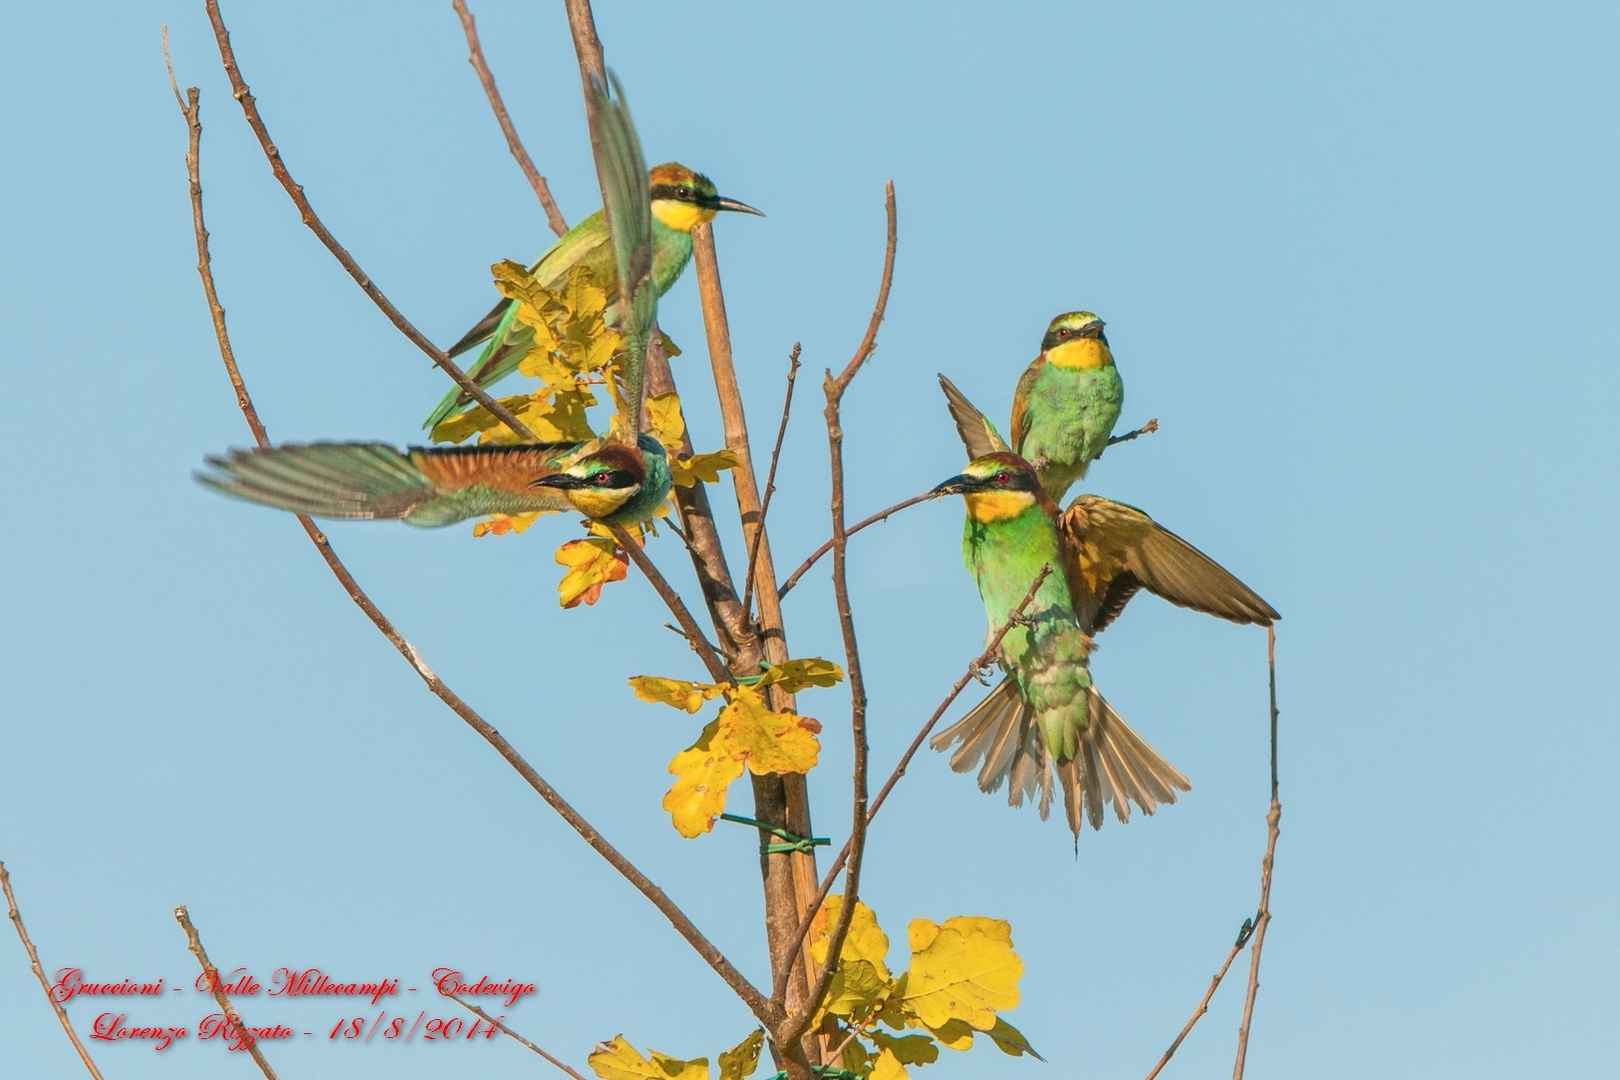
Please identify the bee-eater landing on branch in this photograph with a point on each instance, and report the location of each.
(681, 200)
(1067, 401)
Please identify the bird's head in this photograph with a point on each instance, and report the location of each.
(996, 487)
(1075, 339)
(601, 482)
(682, 199)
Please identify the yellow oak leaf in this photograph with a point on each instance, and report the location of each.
(1011, 1040)
(618, 1060)
(703, 773)
(865, 940)
(741, 1060)
(501, 524)
(887, 1067)
(456, 428)
(664, 420)
(962, 970)
(771, 742)
(908, 1049)
(684, 472)
(592, 563)
(582, 296)
(855, 988)
(561, 420)
(678, 693)
(795, 675)
(953, 1034)
(676, 1069)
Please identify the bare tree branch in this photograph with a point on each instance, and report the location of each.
(834, 389)
(542, 191)
(1263, 919)
(1146, 429)
(761, 1007)
(1203, 1006)
(28, 944)
(194, 943)
(881, 515)
(770, 483)
(306, 212)
(476, 1011)
(672, 599)
(974, 670)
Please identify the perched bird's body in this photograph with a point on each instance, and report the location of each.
(681, 200)
(1067, 402)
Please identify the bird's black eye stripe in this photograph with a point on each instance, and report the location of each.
(612, 478)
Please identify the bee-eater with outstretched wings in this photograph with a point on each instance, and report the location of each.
(680, 201)
(1067, 402)
(620, 480)
(1047, 718)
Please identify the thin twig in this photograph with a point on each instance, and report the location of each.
(1203, 1006)
(1273, 819)
(28, 945)
(834, 389)
(542, 191)
(689, 628)
(881, 515)
(974, 669)
(770, 481)
(1146, 429)
(476, 1011)
(194, 943)
(757, 1003)
(306, 213)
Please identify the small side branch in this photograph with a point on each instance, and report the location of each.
(194, 943)
(881, 515)
(476, 1011)
(1146, 429)
(33, 957)
(672, 599)
(1203, 1006)
(1273, 819)
(974, 670)
(306, 213)
(542, 190)
(770, 480)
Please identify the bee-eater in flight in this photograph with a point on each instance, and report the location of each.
(620, 480)
(1067, 402)
(1047, 718)
(680, 201)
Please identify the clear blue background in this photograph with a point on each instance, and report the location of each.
(1362, 265)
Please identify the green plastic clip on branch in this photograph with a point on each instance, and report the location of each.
(790, 841)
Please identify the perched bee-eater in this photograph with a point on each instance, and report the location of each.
(680, 200)
(1067, 402)
(1047, 718)
(620, 480)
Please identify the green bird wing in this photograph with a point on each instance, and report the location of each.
(1111, 551)
(627, 203)
(978, 434)
(420, 486)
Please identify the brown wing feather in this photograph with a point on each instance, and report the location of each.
(503, 468)
(1018, 428)
(976, 433)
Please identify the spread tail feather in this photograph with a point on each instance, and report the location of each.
(1114, 764)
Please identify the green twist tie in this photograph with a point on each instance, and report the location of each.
(826, 1072)
(792, 841)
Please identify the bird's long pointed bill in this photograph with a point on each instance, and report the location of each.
(740, 207)
(561, 481)
(955, 485)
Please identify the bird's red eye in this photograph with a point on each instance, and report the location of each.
(602, 479)
(1063, 333)
(1003, 477)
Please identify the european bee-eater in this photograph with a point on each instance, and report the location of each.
(1102, 553)
(680, 201)
(429, 487)
(1067, 402)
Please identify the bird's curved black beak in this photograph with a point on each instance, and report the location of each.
(740, 207)
(1093, 330)
(561, 481)
(956, 485)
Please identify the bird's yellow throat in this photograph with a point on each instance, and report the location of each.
(680, 216)
(596, 504)
(1081, 353)
(987, 506)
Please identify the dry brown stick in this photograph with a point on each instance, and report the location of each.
(1146, 429)
(306, 213)
(477, 1011)
(28, 944)
(1203, 1006)
(542, 191)
(1273, 819)
(881, 515)
(672, 599)
(974, 669)
(587, 46)
(194, 943)
(834, 389)
(723, 967)
(770, 482)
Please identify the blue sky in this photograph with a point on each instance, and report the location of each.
(1361, 264)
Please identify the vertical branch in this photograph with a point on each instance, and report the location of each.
(194, 943)
(834, 388)
(33, 957)
(587, 46)
(1263, 919)
(542, 190)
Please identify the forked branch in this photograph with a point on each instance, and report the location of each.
(476, 1011)
(1263, 919)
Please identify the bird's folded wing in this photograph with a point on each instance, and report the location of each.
(1113, 550)
(978, 434)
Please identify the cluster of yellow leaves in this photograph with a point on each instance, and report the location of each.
(963, 972)
(666, 424)
(618, 1060)
(747, 734)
